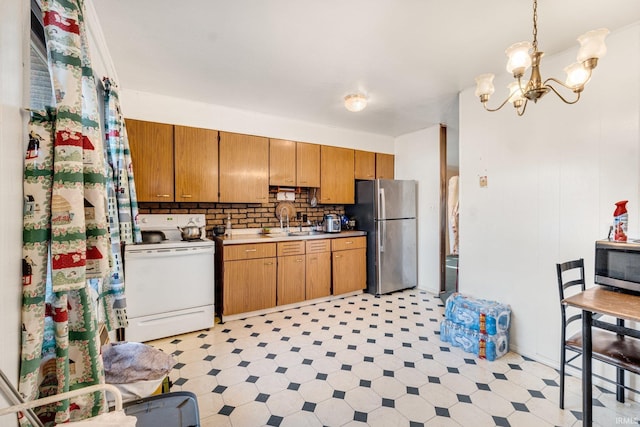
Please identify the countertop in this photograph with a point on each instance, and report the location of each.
(242, 236)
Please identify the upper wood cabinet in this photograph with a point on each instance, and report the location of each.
(151, 146)
(173, 163)
(282, 162)
(307, 165)
(196, 164)
(294, 163)
(365, 164)
(370, 165)
(384, 166)
(337, 183)
(244, 168)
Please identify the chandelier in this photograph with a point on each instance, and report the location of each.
(524, 55)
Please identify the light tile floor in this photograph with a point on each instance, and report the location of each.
(366, 360)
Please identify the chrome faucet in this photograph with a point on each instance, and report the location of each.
(284, 211)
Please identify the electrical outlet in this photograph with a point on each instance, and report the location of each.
(483, 181)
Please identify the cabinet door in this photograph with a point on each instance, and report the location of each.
(307, 165)
(384, 166)
(291, 285)
(318, 275)
(282, 162)
(349, 271)
(365, 164)
(249, 285)
(337, 184)
(196, 164)
(151, 146)
(244, 168)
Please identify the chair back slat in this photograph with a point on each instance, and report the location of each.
(573, 318)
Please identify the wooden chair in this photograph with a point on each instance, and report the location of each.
(620, 351)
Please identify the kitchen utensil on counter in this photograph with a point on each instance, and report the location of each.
(332, 223)
(218, 230)
(191, 231)
(313, 201)
(287, 209)
(153, 236)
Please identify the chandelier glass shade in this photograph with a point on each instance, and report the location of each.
(355, 102)
(524, 55)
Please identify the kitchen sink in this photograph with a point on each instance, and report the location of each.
(295, 233)
(299, 233)
(278, 234)
(305, 233)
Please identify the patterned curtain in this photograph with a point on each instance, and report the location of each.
(66, 240)
(122, 205)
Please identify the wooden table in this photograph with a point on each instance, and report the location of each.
(600, 300)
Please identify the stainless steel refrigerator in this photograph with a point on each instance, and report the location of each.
(386, 210)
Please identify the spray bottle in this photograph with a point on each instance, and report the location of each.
(620, 220)
(227, 231)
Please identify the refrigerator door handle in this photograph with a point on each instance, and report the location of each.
(383, 216)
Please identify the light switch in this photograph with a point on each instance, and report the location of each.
(483, 181)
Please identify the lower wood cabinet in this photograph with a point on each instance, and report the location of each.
(249, 278)
(291, 272)
(252, 277)
(349, 264)
(318, 269)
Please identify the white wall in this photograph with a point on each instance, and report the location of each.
(164, 109)
(553, 178)
(13, 53)
(417, 156)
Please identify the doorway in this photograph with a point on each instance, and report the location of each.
(449, 232)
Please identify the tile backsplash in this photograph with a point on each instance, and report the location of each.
(243, 215)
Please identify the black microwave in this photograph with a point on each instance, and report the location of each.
(617, 264)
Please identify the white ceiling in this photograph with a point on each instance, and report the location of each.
(299, 58)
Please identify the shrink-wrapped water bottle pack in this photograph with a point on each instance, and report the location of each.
(478, 326)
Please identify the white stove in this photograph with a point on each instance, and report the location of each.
(169, 285)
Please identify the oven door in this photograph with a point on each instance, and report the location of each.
(162, 280)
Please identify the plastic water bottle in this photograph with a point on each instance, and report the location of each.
(444, 331)
(491, 349)
(491, 322)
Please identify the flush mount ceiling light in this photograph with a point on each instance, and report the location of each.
(355, 102)
(524, 55)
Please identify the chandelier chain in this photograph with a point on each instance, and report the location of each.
(535, 25)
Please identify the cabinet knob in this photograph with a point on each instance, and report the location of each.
(298, 260)
(162, 195)
(250, 250)
(187, 196)
(338, 256)
(268, 263)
